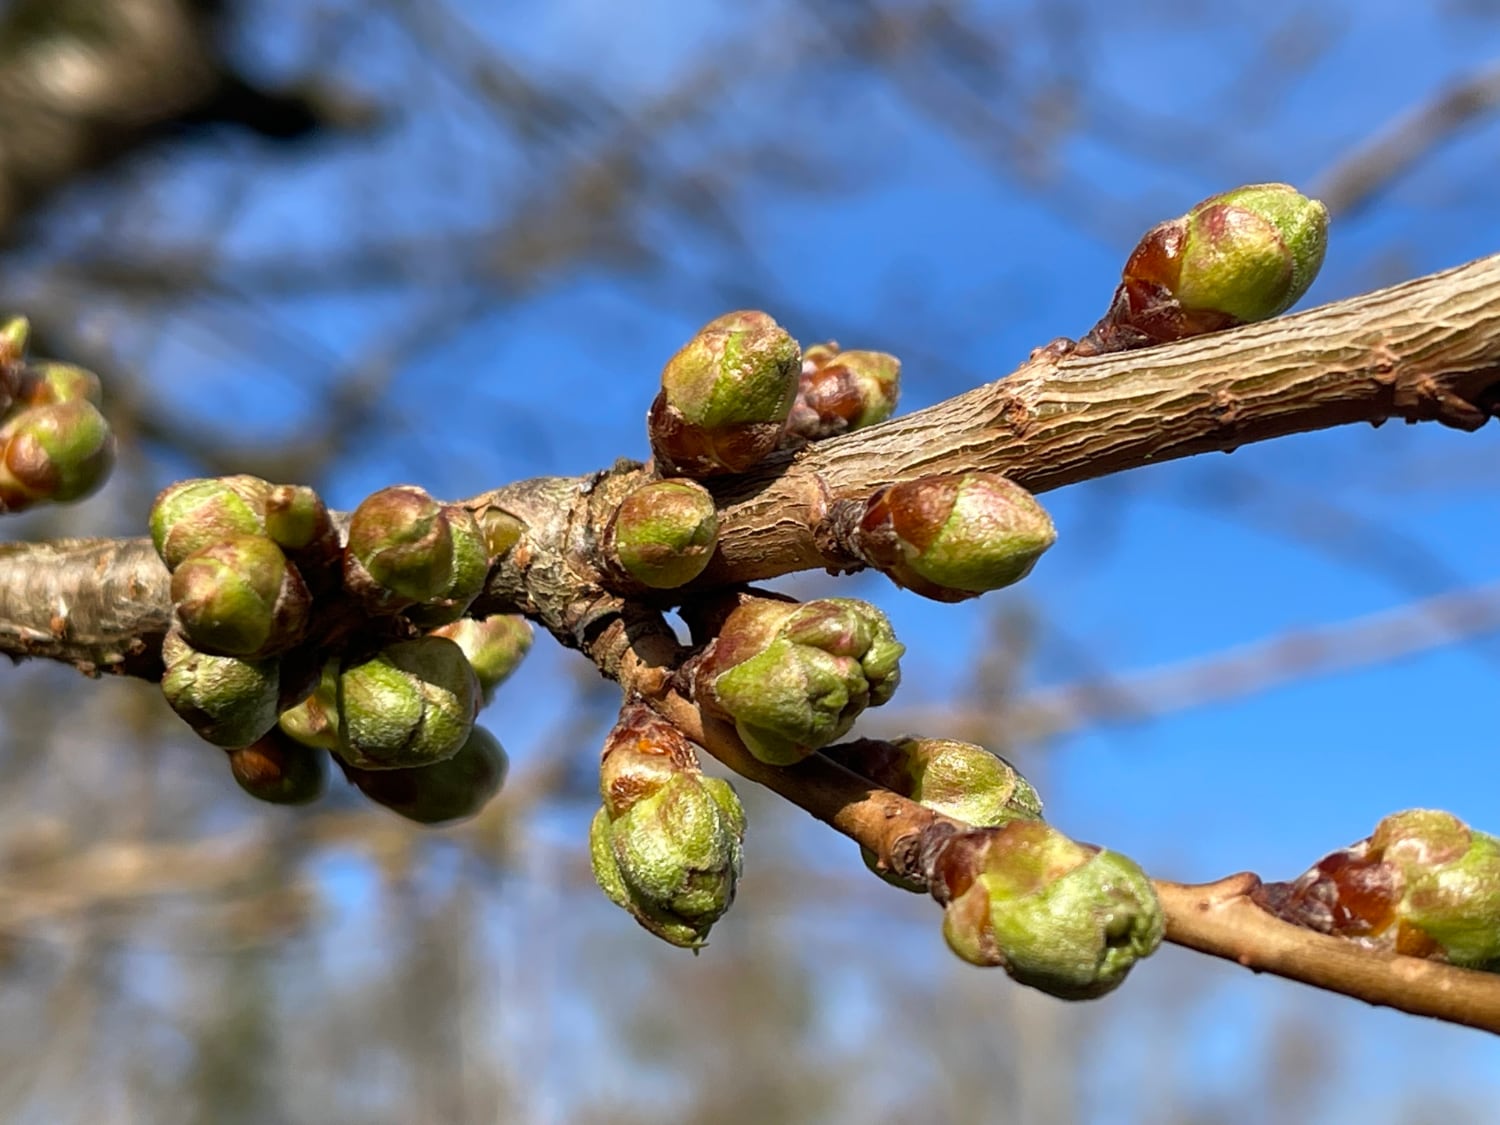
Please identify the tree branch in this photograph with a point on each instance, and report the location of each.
(1215, 918)
(1424, 350)
(1219, 919)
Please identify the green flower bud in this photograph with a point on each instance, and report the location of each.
(314, 722)
(445, 792)
(278, 770)
(664, 533)
(795, 677)
(61, 382)
(15, 337)
(56, 452)
(725, 397)
(296, 516)
(1423, 884)
(957, 779)
(666, 845)
(412, 704)
(1235, 258)
(502, 531)
(471, 565)
(240, 597)
(228, 701)
(953, 537)
(494, 645)
(191, 514)
(1251, 252)
(1063, 917)
(405, 547)
(842, 391)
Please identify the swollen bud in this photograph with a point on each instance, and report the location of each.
(794, 677)
(1235, 258)
(192, 514)
(956, 779)
(444, 792)
(412, 704)
(725, 397)
(55, 452)
(1067, 918)
(50, 382)
(314, 722)
(1423, 884)
(664, 533)
(15, 337)
(240, 597)
(404, 547)
(299, 523)
(666, 845)
(280, 771)
(494, 645)
(953, 537)
(842, 391)
(228, 701)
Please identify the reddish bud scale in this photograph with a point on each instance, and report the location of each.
(953, 537)
(1346, 893)
(1423, 884)
(842, 391)
(642, 752)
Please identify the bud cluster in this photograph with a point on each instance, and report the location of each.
(951, 537)
(1235, 258)
(235, 591)
(666, 843)
(1422, 884)
(55, 445)
(793, 677)
(1067, 918)
(251, 670)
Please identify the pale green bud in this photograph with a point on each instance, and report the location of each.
(666, 845)
(228, 701)
(664, 533)
(495, 647)
(412, 704)
(191, 514)
(54, 452)
(240, 597)
(725, 397)
(795, 677)
(954, 537)
(1063, 917)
